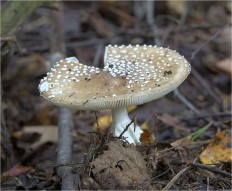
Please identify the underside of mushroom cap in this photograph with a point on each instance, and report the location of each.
(132, 75)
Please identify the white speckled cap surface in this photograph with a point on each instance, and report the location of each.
(132, 75)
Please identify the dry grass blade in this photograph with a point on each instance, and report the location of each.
(175, 178)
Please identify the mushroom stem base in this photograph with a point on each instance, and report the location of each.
(120, 122)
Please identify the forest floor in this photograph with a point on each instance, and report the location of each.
(186, 144)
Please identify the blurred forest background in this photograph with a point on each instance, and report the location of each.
(34, 35)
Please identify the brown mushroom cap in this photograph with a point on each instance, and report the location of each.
(132, 75)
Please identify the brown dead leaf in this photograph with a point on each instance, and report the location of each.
(45, 114)
(183, 141)
(29, 66)
(88, 183)
(14, 171)
(146, 136)
(172, 121)
(47, 133)
(168, 119)
(176, 6)
(225, 66)
(119, 167)
(219, 149)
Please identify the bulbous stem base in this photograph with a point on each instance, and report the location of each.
(120, 122)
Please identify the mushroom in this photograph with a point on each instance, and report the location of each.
(132, 75)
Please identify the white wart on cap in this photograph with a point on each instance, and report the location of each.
(132, 75)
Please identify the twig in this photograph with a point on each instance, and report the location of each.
(214, 115)
(184, 15)
(193, 71)
(96, 119)
(168, 17)
(97, 56)
(84, 43)
(117, 165)
(120, 136)
(212, 169)
(205, 84)
(135, 121)
(207, 183)
(175, 178)
(150, 6)
(8, 38)
(163, 173)
(186, 102)
(7, 152)
(123, 15)
(190, 105)
(138, 11)
(207, 42)
(166, 35)
(204, 166)
(94, 41)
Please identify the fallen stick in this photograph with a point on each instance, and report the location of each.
(186, 102)
(70, 178)
(204, 166)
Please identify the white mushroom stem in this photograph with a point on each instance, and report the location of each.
(121, 121)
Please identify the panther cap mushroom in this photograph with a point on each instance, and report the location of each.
(132, 75)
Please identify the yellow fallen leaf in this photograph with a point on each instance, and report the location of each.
(131, 108)
(219, 149)
(146, 136)
(144, 126)
(104, 122)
